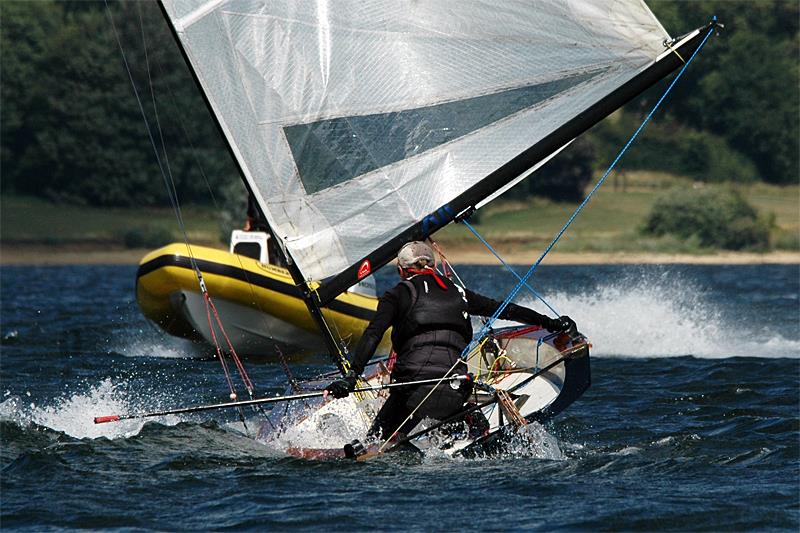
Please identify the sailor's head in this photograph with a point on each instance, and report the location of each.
(414, 255)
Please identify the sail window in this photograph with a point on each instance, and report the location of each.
(334, 151)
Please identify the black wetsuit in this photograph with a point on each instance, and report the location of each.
(430, 329)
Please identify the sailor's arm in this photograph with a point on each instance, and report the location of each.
(374, 332)
(366, 347)
(478, 304)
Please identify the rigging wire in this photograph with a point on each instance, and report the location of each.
(237, 361)
(173, 197)
(207, 297)
(192, 148)
(194, 152)
(242, 268)
(169, 183)
(239, 365)
(166, 175)
(288, 371)
(172, 200)
(172, 190)
(494, 252)
(231, 386)
(446, 264)
(577, 211)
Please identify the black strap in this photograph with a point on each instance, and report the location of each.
(414, 294)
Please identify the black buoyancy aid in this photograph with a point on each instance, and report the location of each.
(433, 310)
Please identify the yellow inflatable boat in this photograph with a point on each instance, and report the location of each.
(258, 303)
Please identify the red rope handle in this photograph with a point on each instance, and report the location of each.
(519, 332)
(445, 262)
(234, 355)
(231, 386)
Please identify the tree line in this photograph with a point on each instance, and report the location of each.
(72, 127)
(733, 117)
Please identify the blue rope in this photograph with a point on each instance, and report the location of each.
(494, 252)
(533, 267)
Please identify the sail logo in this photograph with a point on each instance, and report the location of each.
(364, 270)
(437, 219)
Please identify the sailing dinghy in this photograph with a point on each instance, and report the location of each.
(536, 373)
(361, 125)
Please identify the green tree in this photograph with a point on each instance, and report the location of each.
(24, 41)
(745, 88)
(89, 148)
(72, 126)
(668, 146)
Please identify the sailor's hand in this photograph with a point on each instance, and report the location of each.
(562, 324)
(342, 387)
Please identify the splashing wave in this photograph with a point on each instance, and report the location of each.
(667, 316)
(74, 415)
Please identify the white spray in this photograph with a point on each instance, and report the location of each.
(665, 316)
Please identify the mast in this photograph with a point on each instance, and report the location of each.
(669, 61)
(336, 349)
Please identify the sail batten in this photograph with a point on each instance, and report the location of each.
(360, 123)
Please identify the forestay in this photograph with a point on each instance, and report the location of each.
(353, 121)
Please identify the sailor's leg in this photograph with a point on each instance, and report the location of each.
(394, 413)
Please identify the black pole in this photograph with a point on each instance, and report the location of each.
(260, 401)
(336, 350)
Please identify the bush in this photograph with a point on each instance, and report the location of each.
(148, 237)
(717, 218)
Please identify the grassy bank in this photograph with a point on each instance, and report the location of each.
(33, 221)
(609, 224)
(612, 219)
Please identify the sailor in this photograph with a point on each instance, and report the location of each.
(254, 220)
(430, 320)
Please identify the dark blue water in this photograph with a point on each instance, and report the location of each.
(692, 422)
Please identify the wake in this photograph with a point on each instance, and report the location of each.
(666, 316)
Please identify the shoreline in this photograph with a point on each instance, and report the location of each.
(61, 255)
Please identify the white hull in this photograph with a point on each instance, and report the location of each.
(542, 380)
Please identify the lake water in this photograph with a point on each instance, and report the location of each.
(692, 421)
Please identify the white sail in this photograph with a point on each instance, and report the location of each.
(353, 120)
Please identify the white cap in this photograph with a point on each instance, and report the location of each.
(415, 254)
